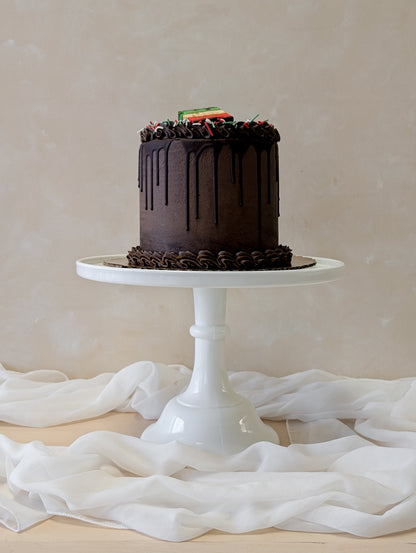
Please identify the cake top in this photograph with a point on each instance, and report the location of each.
(209, 124)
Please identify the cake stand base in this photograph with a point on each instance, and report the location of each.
(223, 430)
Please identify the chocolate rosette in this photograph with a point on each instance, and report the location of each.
(188, 261)
(244, 261)
(201, 131)
(146, 135)
(138, 258)
(259, 259)
(224, 131)
(207, 260)
(226, 261)
(160, 132)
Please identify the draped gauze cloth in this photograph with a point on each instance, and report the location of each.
(358, 478)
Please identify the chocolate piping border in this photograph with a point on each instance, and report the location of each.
(206, 260)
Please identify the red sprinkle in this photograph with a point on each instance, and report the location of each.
(209, 128)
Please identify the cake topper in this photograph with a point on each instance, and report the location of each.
(212, 113)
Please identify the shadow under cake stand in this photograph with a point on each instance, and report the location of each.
(209, 414)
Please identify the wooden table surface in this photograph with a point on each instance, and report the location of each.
(63, 535)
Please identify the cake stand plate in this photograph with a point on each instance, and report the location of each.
(209, 414)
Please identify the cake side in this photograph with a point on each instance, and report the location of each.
(200, 194)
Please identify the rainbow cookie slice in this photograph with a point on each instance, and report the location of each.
(213, 113)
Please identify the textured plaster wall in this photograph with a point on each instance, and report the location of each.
(80, 77)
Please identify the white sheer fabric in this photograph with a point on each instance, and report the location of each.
(358, 477)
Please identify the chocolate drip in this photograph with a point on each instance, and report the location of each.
(238, 149)
(187, 186)
(150, 176)
(196, 178)
(154, 154)
(259, 218)
(268, 177)
(215, 182)
(157, 166)
(196, 149)
(145, 182)
(196, 174)
(140, 170)
(276, 159)
(166, 152)
(240, 179)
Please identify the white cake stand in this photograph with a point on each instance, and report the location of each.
(209, 414)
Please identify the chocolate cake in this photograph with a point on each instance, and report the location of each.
(209, 194)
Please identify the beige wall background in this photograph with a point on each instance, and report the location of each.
(80, 77)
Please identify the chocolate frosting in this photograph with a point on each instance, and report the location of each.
(206, 260)
(206, 129)
(189, 185)
(209, 197)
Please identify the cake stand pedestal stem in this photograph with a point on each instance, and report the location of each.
(209, 384)
(209, 414)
